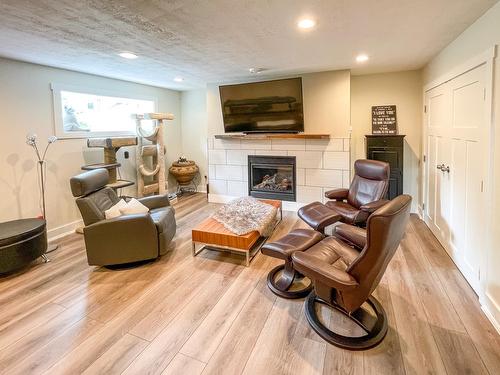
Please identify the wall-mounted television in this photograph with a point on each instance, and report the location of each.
(265, 107)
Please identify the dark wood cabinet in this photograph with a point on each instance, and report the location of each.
(388, 148)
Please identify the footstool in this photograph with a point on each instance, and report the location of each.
(21, 242)
(318, 216)
(296, 240)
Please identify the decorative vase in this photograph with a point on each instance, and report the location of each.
(184, 171)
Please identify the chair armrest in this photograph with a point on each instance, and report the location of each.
(122, 222)
(155, 201)
(337, 194)
(352, 234)
(373, 206)
(315, 269)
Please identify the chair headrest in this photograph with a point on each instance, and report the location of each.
(372, 169)
(88, 182)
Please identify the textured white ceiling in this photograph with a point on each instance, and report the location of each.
(218, 40)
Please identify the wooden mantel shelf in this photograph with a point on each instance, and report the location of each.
(272, 136)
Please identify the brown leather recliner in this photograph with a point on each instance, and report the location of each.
(344, 278)
(354, 205)
(124, 239)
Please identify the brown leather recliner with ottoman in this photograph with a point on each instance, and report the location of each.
(354, 205)
(282, 279)
(344, 278)
(123, 239)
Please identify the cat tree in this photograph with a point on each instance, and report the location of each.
(110, 147)
(152, 179)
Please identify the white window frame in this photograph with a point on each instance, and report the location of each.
(92, 90)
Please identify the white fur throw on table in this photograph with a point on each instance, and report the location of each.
(247, 214)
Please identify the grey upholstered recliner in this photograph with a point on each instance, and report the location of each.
(125, 239)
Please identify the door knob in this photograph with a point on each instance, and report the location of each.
(445, 169)
(439, 167)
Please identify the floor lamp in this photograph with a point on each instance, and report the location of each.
(31, 140)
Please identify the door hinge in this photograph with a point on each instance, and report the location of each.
(425, 158)
(482, 186)
(425, 109)
(484, 94)
(423, 207)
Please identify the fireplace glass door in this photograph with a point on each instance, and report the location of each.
(274, 179)
(267, 177)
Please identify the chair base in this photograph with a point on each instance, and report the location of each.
(375, 327)
(125, 266)
(281, 286)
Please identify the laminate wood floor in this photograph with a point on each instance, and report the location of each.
(212, 315)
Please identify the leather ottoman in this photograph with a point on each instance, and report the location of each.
(318, 216)
(21, 242)
(283, 284)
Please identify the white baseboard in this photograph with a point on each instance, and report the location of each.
(420, 212)
(492, 311)
(292, 206)
(219, 198)
(63, 230)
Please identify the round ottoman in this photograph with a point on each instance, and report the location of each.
(21, 242)
(282, 279)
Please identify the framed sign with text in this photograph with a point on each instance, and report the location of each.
(384, 119)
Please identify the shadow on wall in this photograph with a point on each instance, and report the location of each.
(57, 201)
(15, 183)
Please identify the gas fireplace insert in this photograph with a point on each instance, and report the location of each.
(272, 177)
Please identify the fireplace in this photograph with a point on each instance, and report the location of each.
(272, 177)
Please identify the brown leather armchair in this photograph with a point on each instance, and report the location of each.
(344, 278)
(124, 239)
(354, 205)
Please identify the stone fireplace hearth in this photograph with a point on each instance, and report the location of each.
(321, 165)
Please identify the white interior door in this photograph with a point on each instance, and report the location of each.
(437, 194)
(469, 152)
(457, 151)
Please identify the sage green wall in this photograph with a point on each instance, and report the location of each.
(403, 89)
(26, 106)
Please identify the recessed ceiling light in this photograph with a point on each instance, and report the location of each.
(306, 23)
(256, 70)
(362, 58)
(178, 79)
(128, 55)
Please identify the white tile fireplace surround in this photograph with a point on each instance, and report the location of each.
(322, 164)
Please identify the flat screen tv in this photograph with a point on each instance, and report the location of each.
(265, 107)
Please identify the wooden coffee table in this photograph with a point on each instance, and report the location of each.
(212, 235)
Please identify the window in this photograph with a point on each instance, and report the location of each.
(84, 113)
